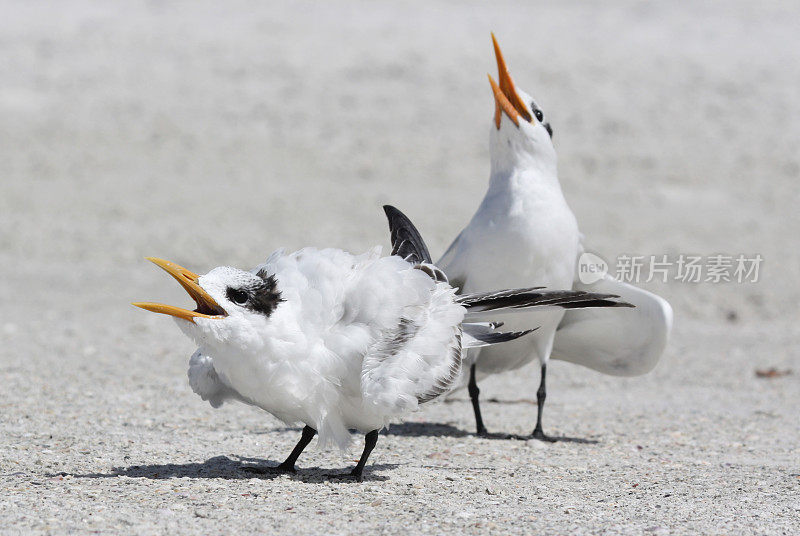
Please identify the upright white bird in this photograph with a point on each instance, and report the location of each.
(524, 233)
(339, 341)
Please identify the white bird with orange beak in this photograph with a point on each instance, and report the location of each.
(524, 233)
(340, 341)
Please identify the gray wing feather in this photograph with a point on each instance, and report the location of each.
(445, 383)
(396, 341)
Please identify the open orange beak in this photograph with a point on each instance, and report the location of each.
(505, 96)
(207, 307)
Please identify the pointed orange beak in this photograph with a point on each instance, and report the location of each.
(207, 307)
(505, 96)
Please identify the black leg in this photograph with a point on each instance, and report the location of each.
(305, 439)
(369, 443)
(474, 392)
(288, 464)
(541, 395)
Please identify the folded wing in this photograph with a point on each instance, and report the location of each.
(416, 361)
(206, 383)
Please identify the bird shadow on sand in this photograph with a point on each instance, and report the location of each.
(407, 429)
(566, 439)
(441, 429)
(437, 429)
(425, 429)
(222, 467)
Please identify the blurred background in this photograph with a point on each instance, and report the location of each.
(213, 133)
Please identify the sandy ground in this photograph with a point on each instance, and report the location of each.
(212, 135)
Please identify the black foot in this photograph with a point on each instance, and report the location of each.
(261, 470)
(540, 435)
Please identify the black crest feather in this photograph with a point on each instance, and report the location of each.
(265, 296)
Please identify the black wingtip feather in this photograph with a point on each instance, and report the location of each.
(406, 240)
(595, 303)
(533, 297)
(502, 336)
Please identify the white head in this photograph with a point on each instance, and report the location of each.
(234, 307)
(520, 133)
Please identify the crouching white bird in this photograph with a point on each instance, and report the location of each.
(523, 234)
(340, 341)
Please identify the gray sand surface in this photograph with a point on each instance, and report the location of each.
(212, 133)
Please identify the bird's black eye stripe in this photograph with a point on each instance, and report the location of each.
(549, 129)
(237, 295)
(539, 115)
